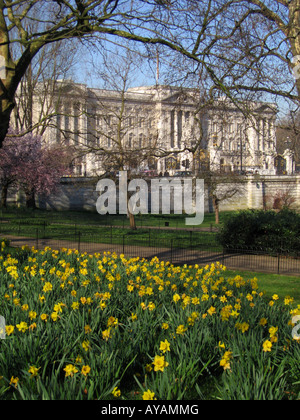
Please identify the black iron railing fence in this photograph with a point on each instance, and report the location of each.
(191, 248)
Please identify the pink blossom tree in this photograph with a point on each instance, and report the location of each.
(25, 162)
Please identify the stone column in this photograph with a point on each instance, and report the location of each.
(175, 129)
(290, 164)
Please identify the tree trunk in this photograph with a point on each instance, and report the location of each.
(30, 200)
(7, 85)
(130, 215)
(4, 124)
(132, 221)
(217, 210)
(4, 196)
(14, 72)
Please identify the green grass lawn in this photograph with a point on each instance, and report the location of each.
(109, 229)
(106, 229)
(92, 218)
(274, 283)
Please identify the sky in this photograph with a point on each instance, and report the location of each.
(89, 69)
(90, 66)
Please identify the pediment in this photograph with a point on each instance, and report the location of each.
(71, 89)
(266, 108)
(179, 97)
(172, 98)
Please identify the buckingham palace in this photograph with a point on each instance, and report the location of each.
(159, 128)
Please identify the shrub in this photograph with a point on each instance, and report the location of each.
(259, 229)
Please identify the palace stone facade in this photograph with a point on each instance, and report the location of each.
(161, 128)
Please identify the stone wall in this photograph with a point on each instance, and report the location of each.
(81, 194)
(258, 191)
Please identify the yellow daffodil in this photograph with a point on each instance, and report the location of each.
(34, 371)
(225, 361)
(148, 395)
(32, 315)
(151, 306)
(22, 327)
(267, 346)
(263, 322)
(221, 345)
(14, 381)
(70, 370)
(106, 334)
(176, 298)
(112, 321)
(85, 370)
(87, 329)
(44, 317)
(181, 329)
(133, 316)
(86, 345)
(54, 316)
(116, 392)
(273, 331)
(47, 287)
(211, 311)
(9, 329)
(164, 346)
(159, 363)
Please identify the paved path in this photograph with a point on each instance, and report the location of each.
(239, 261)
(191, 229)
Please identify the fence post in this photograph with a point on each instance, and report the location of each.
(280, 251)
(37, 238)
(79, 237)
(171, 251)
(123, 245)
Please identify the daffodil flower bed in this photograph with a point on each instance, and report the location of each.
(97, 326)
